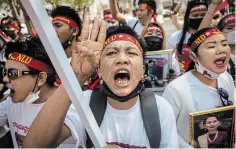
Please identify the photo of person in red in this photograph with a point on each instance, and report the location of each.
(213, 138)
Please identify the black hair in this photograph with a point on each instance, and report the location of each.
(151, 3)
(190, 5)
(195, 36)
(70, 13)
(125, 29)
(107, 11)
(220, 25)
(151, 61)
(212, 115)
(10, 20)
(32, 46)
(191, 40)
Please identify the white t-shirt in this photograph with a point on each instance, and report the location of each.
(131, 21)
(22, 116)
(126, 126)
(204, 96)
(178, 62)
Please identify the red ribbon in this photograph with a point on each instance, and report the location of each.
(29, 61)
(145, 6)
(198, 8)
(204, 36)
(229, 19)
(125, 37)
(65, 20)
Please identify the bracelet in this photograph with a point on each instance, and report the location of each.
(210, 13)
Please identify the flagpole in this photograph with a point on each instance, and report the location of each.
(49, 38)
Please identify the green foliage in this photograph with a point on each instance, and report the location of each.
(73, 3)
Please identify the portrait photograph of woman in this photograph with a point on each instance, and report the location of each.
(213, 128)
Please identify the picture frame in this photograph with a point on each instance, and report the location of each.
(156, 66)
(214, 128)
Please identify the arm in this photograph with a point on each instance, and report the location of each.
(3, 112)
(207, 20)
(173, 100)
(115, 11)
(175, 22)
(168, 125)
(48, 128)
(50, 120)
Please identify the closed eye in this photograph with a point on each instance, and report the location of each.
(111, 53)
(132, 53)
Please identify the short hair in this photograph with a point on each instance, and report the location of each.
(10, 20)
(195, 36)
(151, 3)
(32, 46)
(151, 61)
(125, 29)
(68, 12)
(190, 5)
(212, 115)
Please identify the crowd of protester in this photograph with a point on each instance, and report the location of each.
(108, 62)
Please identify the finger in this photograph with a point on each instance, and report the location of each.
(85, 29)
(102, 32)
(95, 29)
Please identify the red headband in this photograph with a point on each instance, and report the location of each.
(203, 37)
(126, 37)
(229, 19)
(29, 61)
(108, 16)
(154, 28)
(198, 8)
(65, 20)
(145, 6)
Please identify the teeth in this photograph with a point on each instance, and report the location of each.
(122, 71)
(122, 82)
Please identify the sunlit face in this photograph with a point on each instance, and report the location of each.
(143, 15)
(214, 53)
(212, 123)
(22, 85)
(153, 31)
(121, 67)
(63, 30)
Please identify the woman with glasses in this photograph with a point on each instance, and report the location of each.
(208, 86)
(30, 76)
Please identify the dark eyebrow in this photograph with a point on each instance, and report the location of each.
(214, 42)
(224, 40)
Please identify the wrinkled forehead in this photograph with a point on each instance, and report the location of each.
(121, 44)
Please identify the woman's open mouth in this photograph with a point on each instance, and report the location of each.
(122, 77)
(220, 62)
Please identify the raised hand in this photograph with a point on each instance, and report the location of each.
(216, 2)
(86, 54)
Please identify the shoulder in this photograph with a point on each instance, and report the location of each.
(165, 110)
(202, 137)
(175, 84)
(130, 20)
(162, 104)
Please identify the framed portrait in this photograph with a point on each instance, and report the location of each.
(156, 66)
(213, 128)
